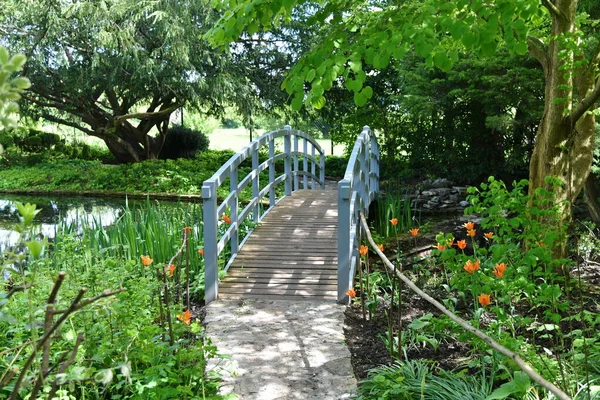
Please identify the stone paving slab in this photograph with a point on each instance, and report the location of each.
(281, 349)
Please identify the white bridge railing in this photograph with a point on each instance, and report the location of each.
(297, 145)
(355, 193)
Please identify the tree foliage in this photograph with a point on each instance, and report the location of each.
(11, 87)
(118, 69)
(562, 35)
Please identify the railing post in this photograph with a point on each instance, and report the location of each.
(312, 167)
(375, 165)
(233, 188)
(305, 164)
(211, 279)
(322, 169)
(296, 183)
(344, 251)
(272, 172)
(287, 161)
(255, 184)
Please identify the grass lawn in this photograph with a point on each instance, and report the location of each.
(235, 139)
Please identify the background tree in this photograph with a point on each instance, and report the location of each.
(116, 70)
(371, 33)
(476, 120)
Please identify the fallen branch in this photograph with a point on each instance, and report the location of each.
(464, 324)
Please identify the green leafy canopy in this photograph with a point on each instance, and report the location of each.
(359, 33)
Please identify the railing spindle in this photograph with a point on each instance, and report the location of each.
(255, 185)
(233, 187)
(305, 164)
(312, 167)
(287, 148)
(272, 173)
(296, 183)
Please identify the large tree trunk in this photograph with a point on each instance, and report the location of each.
(564, 146)
(592, 194)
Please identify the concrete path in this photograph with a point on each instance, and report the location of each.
(281, 349)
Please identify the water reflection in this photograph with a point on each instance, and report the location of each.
(71, 212)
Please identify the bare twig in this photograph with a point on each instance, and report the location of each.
(465, 325)
(49, 329)
(65, 365)
(16, 289)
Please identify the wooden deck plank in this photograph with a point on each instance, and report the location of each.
(292, 253)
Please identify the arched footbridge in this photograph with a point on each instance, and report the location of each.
(298, 237)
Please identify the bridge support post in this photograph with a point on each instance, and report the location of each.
(211, 268)
(287, 161)
(344, 250)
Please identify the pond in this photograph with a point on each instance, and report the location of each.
(57, 211)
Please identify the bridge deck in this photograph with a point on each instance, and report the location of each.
(292, 254)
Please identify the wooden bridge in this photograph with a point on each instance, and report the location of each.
(305, 240)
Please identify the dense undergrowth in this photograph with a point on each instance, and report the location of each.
(134, 333)
(499, 274)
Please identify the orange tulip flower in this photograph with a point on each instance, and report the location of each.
(471, 232)
(414, 232)
(380, 247)
(462, 244)
(185, 316)
(484, 299)
(394, 221)
(489, 235)
(187, 229)
(351, 293)
(499, 270)
(170, 269)
(469, 225)
(441, 247)
(201, 252)
(471, 266)
(226, 218)
(146, 260)
(363, 250)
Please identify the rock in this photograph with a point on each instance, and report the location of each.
(436, 199)
(448, 202)
(429, 193)
(462, 190)
(441, 183)
(464, 203)
(453, 198)
(442, 192)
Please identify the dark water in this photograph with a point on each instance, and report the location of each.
(54, 212)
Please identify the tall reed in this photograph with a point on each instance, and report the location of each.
(151, 228)
(393, 204)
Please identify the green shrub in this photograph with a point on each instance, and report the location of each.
(183, 142)
(335, 165)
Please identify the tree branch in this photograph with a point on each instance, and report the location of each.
(585, 104)
(538, 49)
(552, 8)
(463, 324)
(148, 115)
(61, 121)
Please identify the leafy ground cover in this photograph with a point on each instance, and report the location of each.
(134, 332)
(544, 309)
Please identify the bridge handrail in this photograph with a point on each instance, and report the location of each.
(213, 211)
(355, 193)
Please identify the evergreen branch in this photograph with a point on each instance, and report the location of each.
(149, 115)
(462, 323)
(61, 121)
